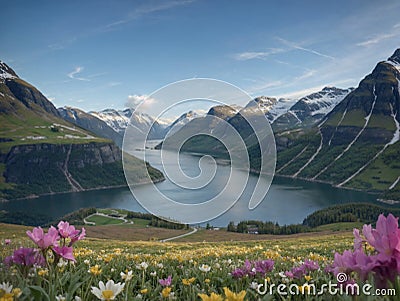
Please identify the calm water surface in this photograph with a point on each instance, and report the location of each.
(288, 200)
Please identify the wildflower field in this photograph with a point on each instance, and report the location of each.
(61, 264)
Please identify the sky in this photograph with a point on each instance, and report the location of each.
(108, 54)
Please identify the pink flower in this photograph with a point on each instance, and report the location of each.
(64, 252)
(343, 263)
(357, 239)
(386, 237)
(66, 230)
(79, 235)
(7, 241)
(166, 281)
(25, 257)
(42, 240)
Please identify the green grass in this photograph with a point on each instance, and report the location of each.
(354, 118)
(381, 173)
(339, 227)
(383, 122)
(103, 220)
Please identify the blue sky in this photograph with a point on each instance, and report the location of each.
(100, 54)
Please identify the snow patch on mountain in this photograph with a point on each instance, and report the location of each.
(6, 72)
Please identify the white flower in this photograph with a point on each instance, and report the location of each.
(205, 268)
(153, 274)
(142, 266)
(112, 270)
(128, 276)
(60, 298)
(62, 263)
(108, 291)
(254, 285)
(6, 287)
(77, 298)
(160, 265)
(282, 274)
(139, 296)
(86, 261)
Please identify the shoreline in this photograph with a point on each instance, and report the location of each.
(35, 196)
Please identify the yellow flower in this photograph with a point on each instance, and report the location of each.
(268, 279)
(303, 289)
(17, 292)
(231, 296)
(43, 272)
(144, 291)
(188, 281)
(95, 270)
(212, 297)
(307, 277)
(207, 280)
(165, 292)
(6, 296)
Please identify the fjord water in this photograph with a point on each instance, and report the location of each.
(288, 200)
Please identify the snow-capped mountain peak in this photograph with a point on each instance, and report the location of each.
(6, 72)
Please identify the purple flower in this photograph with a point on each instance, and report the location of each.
(385, 264)
(357, 239)
(65, 252)
(252, 268)
(78, 235)
(166, 281)
(66, 230)
(42, 240)
(302, 270)
(25, 257)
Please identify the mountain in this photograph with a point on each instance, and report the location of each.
(309, 110)
(356, 144)
(41, 153)
(118, 120)
(272, 107)
(91, 123)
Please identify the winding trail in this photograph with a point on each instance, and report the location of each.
(122, 217)
(180, 236)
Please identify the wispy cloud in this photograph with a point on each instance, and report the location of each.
(377, 39)
(298, 46)
(250, 55)
(114, 84)
(77, 70)
(306, 74)
(145, 101)
(148, 9)
(301, 93)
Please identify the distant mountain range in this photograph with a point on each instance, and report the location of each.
(42, 153)
(345, 137)
(282, 113)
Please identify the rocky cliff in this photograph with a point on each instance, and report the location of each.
(37, 169)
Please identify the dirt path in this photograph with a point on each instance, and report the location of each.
(180, 236)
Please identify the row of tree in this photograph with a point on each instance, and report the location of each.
(354, 212)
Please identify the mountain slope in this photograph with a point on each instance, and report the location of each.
(118, 120)
(42, 153)
(91, 123)
(310, 109)
(356, 144)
